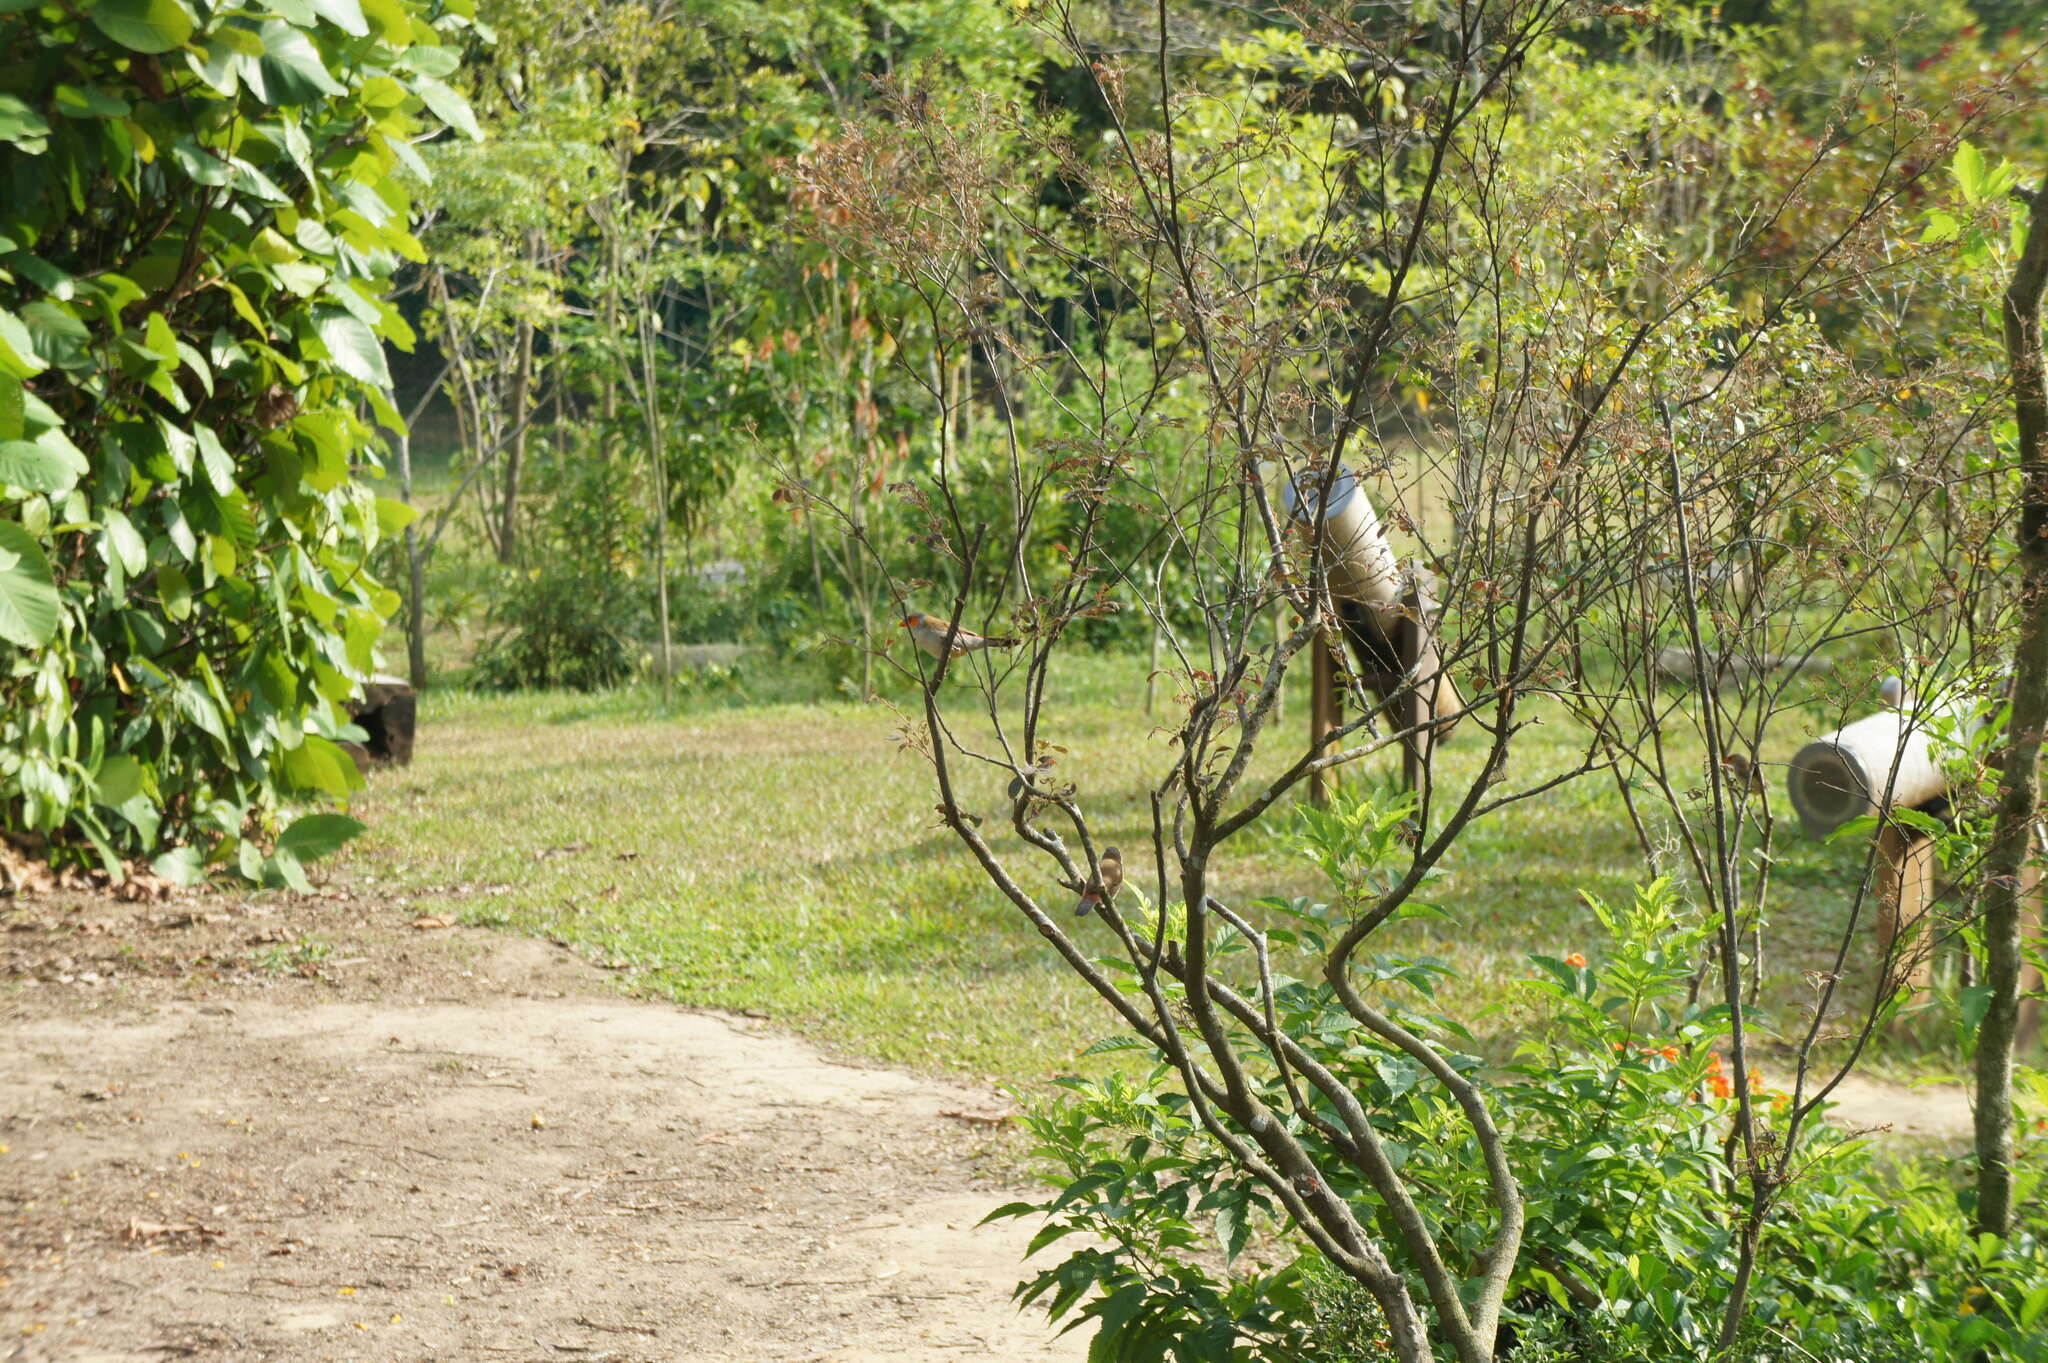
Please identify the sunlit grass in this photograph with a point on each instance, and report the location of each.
(788, 859)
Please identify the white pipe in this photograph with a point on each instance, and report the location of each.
(1882, 761)
(1358, 563)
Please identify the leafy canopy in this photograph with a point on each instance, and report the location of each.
(199, 207)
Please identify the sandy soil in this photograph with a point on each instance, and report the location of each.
(434, 1143)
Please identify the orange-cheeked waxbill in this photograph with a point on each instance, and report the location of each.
(929, 632)
(1109, 879)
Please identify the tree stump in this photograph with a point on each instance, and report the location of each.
(388, 712)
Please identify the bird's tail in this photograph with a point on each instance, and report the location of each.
(1088, 901)
(998, 643)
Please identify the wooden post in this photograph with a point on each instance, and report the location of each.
(1414, 752)
(1904, 889)
(1279, 634)
(1325, 713)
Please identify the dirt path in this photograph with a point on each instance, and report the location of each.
(414, 1147)
(306, 1129)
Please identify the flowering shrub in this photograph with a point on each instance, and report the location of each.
(1618, 1110)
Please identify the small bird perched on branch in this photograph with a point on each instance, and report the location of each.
(930, 634)
(1743, 774)
(1109, 879)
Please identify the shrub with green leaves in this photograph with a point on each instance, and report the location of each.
(1616, 1111)
(199, 206)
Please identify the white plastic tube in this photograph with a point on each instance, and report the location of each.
(1879, 762)
(1358, 562)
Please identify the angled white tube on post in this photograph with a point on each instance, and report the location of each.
(1359, 565)
(1358, 562)
(1878, 762)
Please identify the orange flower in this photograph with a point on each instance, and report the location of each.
(1668, 1052)
(1716, 1080)
(1575, 961)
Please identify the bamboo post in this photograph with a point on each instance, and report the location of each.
(1279, 634)
(1325, 713)
(1152, 660)
(1873, 766)
(1904, 888)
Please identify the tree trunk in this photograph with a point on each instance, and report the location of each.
(470, 415)
(2004, 892)
(658, 456)
(415, 569)
(522, 396)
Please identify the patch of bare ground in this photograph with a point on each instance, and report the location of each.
(284, 1128)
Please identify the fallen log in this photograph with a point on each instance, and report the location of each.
(1676, 664)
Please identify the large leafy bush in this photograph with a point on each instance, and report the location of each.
(198, 207)
(1617, 1113)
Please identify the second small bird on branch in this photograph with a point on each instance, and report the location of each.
(929, 632)
(1109, 880)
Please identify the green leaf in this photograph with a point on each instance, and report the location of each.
(1941, 227)
(318, 765)
(284, 869)
(28, 595)
(43, 274)
(318, 835)
(448, 106)
(345, 15)
(151, 26)
(23, 126)
(300, 277)
(219, 65)
(181, 866)
(174, 589)
(36, 467)
(18, 355)
(293, 71)
(427, 60)
(1117, 1043)
(123, 543)
(352, 346)
(243, 41)
(73, 102)
(393, 516)
(57, 334)
(360, 636)
(270, 247)
(1233, 1229)
(1968, 168)
(118, 780)
(161, 340)
(220, 469)
(394, 25)
(10, 409)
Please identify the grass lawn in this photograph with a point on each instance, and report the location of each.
(786, 858)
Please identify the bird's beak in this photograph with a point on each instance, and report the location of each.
(908, 621)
